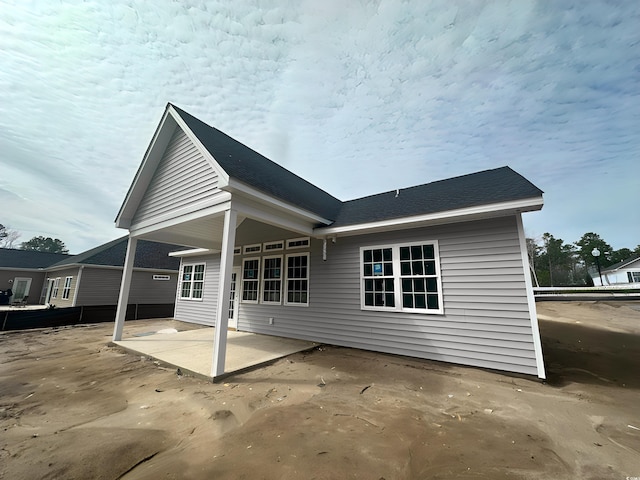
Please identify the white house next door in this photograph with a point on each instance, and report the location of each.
(234, 295)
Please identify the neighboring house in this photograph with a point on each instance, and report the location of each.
(22, 272)
(625, 272)
(94, 277)
(437, 271)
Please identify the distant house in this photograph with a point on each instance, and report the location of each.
(625, 272)
(91, 278)
(437, 271)
(22, 273)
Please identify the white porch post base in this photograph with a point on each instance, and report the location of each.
(125, 286)
(224, 289)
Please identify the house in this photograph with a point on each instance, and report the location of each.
(22, 273)
(621, 273)
(437, 271)
(93, 277)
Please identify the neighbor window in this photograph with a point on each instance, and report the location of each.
(402, 277)
(633, 277)
(250, 279)
(297, 279)
(271, 279)
(192, 281)
(56, 286)
(67, 287)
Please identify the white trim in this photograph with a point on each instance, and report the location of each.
(273, 217)
(252, 249)
(531, 301)
(56, 287)
(66, 289)
(273, 246)
(286, 279)
(257, 279)
(237, 250)
(263, 280)
(194, 252)
(75, 290)
(448, 216)
(191, 281)
(397, 278)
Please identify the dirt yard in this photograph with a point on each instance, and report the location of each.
(73, 408)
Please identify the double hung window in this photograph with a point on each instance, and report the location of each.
(297, 279)
(67, 288)
(56, 287)
(192, 281)
(271, 279)
(403, 277)
(250, 279)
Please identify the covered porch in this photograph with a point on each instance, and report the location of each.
(191, 350)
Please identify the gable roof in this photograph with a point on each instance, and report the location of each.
(28, 259)
(256, 170)
(149, 254)
(622, 264)
(476, 189)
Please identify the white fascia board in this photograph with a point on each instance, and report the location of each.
(449, 216)
(177, 217)
(146, 170)
(237, 187)
(194, 252)
(259, 212)
(223, 177)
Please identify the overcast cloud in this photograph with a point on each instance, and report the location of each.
(356, 97)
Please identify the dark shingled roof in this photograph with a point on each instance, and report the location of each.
(13, 258)
(623, 263)
(482, 188)
(476, 189)
(248, 166)
(148, 255)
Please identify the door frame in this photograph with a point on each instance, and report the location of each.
(29, 280)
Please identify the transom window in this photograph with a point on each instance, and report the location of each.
(273, 246)
(271, 279)
(257, 248)
(192, 281)
(67, 287)
(297, 280)
(250, 279)
(402, 277)
(298, 243)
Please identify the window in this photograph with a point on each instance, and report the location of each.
(67, 287)
(633, 277)
(297, 280)
(401, 278)
(56, 286)
(237, 250)
(250, 279)
(273, 246)
(257, 248)
(271, 279)
(298, 242)
(192, 281)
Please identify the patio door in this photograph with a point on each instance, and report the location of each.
(21, 286)
(234, 295)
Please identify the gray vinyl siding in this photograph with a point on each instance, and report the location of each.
(196, 310)
(101, 286)
(183, 178)
(486, 320)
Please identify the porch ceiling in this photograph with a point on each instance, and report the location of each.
(205, 232)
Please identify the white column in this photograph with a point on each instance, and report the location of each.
(123, 298)
(224, 289)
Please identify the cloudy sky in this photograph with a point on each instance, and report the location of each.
(357, 97)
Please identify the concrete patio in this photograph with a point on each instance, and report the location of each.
(192, 350)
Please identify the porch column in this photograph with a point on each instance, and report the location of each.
(224, 289)
(125, 285)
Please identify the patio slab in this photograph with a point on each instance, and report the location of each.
(192, 350)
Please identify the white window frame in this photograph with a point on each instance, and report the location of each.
(192, 281)
(264, 280)
(276, 246)
(66, 289)
(237, 250)
(286, 279)
(256, 279)
(397, 278)
(252, 249)
(56, 287)
(301, 239)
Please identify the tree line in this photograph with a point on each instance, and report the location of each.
(558, 264)
(9, 239)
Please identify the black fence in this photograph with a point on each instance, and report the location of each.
(56, 317)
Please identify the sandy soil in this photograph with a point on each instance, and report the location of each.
(73, 408)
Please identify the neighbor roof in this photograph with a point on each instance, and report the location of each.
(28, 259)
(622, 264)
(148, 255)
(248, 166)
